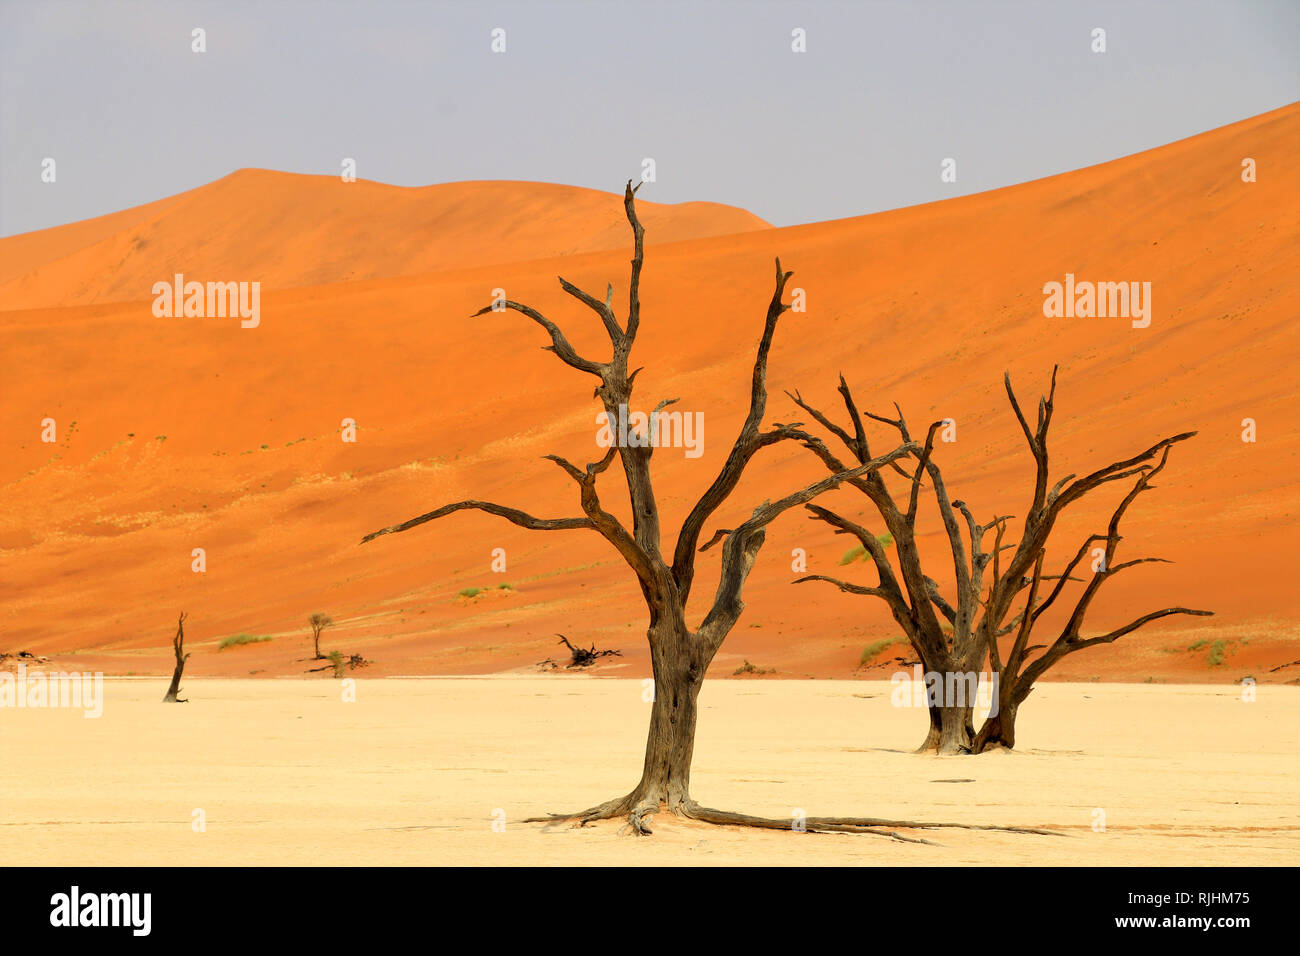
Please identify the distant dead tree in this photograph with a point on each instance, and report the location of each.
(178, 647)
(581, 656)
(679, 653)
(318, 623)
(979, 615)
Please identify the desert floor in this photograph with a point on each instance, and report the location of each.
(286, 772)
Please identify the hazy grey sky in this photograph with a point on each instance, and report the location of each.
(711, 90)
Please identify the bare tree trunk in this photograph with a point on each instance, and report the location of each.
(934, 734)
(178, 647)
(998, 731)
(670, 744)
(952, 715)
(952, 729)
(956, 729)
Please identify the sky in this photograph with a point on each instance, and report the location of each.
(712, 91)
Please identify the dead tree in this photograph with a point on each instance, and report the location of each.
(585, 657)
(954, 638)
(318, 623)
(679, 652)
(178, 647)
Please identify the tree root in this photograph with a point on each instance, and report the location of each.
(810, 825)
(639, 815)
(605, 811)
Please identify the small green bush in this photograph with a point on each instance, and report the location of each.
(851, 555)
(871, 650)
(240, 639)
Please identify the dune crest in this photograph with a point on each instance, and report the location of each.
(287, 230)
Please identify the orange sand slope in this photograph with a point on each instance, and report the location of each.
(184, 433)
(286, 230)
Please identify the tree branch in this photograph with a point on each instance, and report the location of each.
(501, 511)
(602, 309)
(559, 344)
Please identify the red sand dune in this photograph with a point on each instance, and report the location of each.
(364, 316)
(287, 230)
